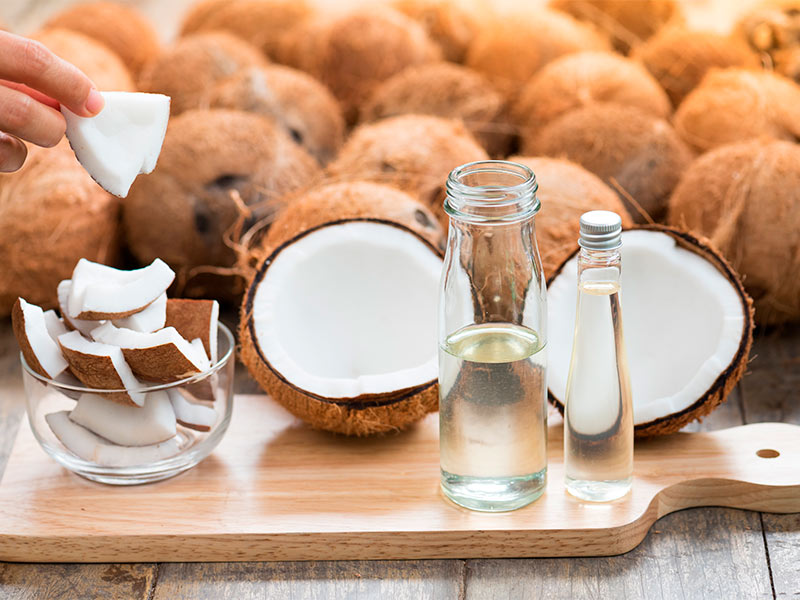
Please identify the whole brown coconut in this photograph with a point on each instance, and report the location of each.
(584, 78)
(414, 152)
(100, 64)
(679, 58)
(627, 23)
(184, 211)
(447, 24)
(566, 191)
(745, 198)
(189, 69)
(510, 51)
(638, 155)
(118, 27)
(352, 53)
(51, 214)
(304, 107)
(734, 105)
(445, 90)
(261, 22)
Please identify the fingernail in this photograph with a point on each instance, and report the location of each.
(95, 102)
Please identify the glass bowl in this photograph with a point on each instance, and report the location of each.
(212, 388)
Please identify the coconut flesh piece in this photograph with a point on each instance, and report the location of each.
(685, 325)
(122, 140)
(89, 446)
(153, 423)
(82, 325)
(102, 292)
(151, 319)
(195, 319)
(190, 414)
(35, 332)
(375, 332)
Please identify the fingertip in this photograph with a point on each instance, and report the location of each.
(94, 102)
(12, 153)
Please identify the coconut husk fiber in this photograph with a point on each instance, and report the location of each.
(353, 52)
(190, 68)
(745, 198)
(97, 61)
(450, 91)
(260, 22)
(217, 169)
(413, 152)
(448, 24)
(300, 104)
(584, 78)
(734, 105)
(679, 58)
(51, 214)
(627, 23)
(121, 28)
(638, 155)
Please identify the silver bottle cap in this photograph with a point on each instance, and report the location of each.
(600, 230)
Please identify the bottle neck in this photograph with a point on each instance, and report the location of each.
(599, 265)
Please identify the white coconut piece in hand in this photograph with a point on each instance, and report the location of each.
(151, 319)
(101, 366)
(127, 425)
(34, 332)
(195, 319)
(84, 326)
(121, 141)
(89, 446)
(102, 292)
(189, 414)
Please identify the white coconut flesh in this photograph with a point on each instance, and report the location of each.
(150, 319)
(127, 339)
(190, 414)
(683, 323)
(41, 331)
(349, 310)
(121, 141)
(82, 325)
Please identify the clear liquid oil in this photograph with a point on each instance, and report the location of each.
(492, 418)
(598, 425)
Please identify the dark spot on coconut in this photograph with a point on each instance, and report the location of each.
(202, 223)
(387, 167)
(793, 12)
(296, 135)
(227, 182)
(652, 164)
(422, 218)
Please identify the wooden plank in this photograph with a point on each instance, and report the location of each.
(76, 581)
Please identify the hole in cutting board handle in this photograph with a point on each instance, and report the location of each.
(768, 453)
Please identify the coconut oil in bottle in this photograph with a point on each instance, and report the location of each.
(598, 415)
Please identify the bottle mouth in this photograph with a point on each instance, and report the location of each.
(492, 191)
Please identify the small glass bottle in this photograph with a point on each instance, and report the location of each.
(492, 383)
(598, 415)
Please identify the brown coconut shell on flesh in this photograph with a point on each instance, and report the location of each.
(192, 319)
(445, 90)
(190, 68)
(97, 61)
(509, 51)
(448, 24)
(260, 22)
(354, 52)
(304, 107)
(413, 152)
(734, 105)
(745, 198)
(566, 191)
(216, 168)
(52, 214)
(727, 380)
(638, 155)
(364, 415)
(584, 78)
(679, 58)
(119, 27)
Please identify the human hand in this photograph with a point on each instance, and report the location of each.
(34, 83)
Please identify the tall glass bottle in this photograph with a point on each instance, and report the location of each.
(492, 318)
(598, 415)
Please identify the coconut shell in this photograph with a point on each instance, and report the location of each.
(354, 52)
(189, 69)
(448, 24)
(510, 51)
(734, 105)
(445, 90)
(744, 198)
(187, 208)
(679, 58)
(97, 372)
(97, 61)
(638, 155)
(584, 78)
(566, 191)
(18, 326)
(262, 23)
(413, 152)
(304, 107)
(51, 214)
(192, 319)
(164, 363)
(120, 28)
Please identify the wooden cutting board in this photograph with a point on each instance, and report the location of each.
(277, 490)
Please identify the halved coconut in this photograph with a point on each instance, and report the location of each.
(687, 321)
(191, 414)
(195, 319)
(35, 334)
(122, 141)
(363, 360)
(151, 319)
